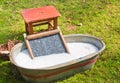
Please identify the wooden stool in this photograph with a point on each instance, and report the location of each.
(40, 16)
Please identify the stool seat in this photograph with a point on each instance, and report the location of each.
(33, 16)
(39, 14)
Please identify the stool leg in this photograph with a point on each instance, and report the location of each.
(50, 27)
(55, 23)
(30, 29)
(26, 28)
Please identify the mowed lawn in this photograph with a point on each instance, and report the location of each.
(100, 18)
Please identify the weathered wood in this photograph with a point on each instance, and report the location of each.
(47, 33)
(28, 46)
(37, 24)
(64, 42)
(55, 23)
(26, 28)
(46, 43)
(34, 16)
(30, 28)
(50, 25)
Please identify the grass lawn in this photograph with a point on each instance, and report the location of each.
(100, 18)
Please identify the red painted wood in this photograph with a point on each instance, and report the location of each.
(38, 14)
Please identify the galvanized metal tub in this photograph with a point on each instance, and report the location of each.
(61, 71)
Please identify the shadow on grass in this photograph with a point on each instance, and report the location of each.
(9, 73)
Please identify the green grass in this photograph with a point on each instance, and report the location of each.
(100, 18)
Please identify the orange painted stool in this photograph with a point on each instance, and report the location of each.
(40, 16)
